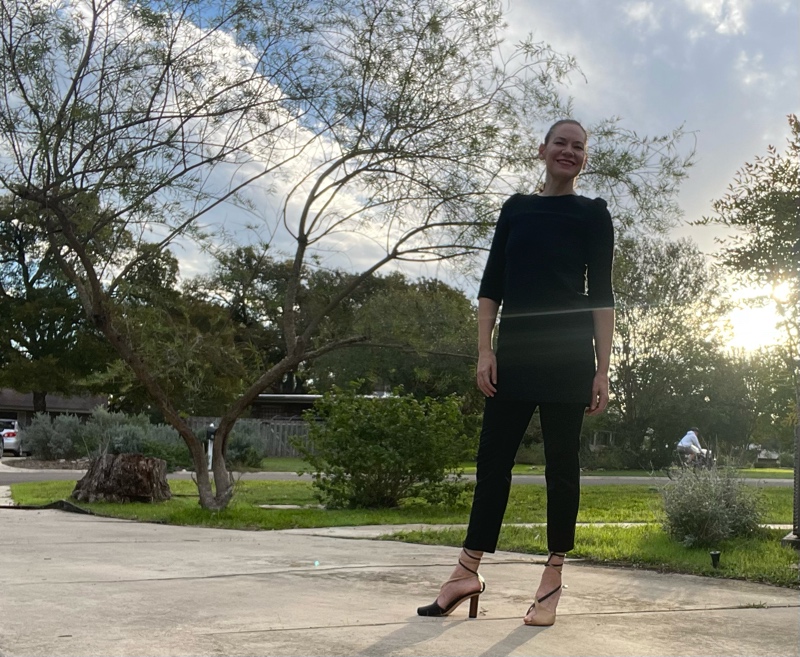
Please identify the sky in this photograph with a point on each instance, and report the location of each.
(726, 70)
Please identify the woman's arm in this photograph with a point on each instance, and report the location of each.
(490, 296)
(601, 300)
(487, 362)
(603, 333)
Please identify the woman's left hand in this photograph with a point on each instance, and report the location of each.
(599, 394)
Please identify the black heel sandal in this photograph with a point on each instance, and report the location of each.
(435, 610)
(545, 617)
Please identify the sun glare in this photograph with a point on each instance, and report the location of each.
(781, 292)
(755, 321)
(754, 328)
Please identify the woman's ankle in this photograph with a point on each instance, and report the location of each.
(470, 559)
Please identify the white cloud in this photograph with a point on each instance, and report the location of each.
(727, 16)
(750, 69)
(644, 15)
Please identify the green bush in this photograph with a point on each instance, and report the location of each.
(163, 442)
(734, 458)
(65, 436)
(610, 458)
(107, 431)
(786, 460)
(246, 446)
(532, 454)
(704, 507)
(371, 453)
(50, 439)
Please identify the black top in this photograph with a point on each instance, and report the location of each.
(549, 265)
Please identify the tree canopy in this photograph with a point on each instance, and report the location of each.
(45, 339)
(762, 205)
(395, 125)
(667, 337)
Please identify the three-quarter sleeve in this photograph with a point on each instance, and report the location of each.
(493, 280)
(600, 258)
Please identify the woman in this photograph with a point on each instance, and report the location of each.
(550, 267)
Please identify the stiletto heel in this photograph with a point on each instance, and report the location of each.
(434, 609)
(545, 617)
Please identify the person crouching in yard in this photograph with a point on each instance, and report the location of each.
(549, 266)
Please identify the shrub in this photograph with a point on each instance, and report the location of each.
(245, 445)
(107, 431)
(532, 454)
(163, 442)
(737, 458)
(373, 453)
(610, 458)
(51, 439)
(65, 436)
(786, 460)
(704, 507)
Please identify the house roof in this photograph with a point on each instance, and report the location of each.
(295, 399)
(11, 400)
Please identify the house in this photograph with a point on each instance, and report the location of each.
(19, 406)
(767, 459)
(600, 440)
(284, 407)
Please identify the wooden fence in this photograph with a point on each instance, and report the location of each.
(276, 434)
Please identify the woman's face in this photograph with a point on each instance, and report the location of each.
(565, 154)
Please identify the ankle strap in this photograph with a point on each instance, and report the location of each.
(466, 551)
(555, 554)
(465, 566)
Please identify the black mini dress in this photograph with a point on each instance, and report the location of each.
(549, 266)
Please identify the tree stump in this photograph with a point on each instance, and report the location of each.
(124, 478)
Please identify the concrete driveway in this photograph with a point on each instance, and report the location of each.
(82, 585)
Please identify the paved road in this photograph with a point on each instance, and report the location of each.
(20, 475)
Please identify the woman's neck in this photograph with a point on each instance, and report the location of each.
(558, 187)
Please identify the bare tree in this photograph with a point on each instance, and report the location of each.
(397, 122)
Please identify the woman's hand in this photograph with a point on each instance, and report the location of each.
(487, 372)
(599, 399)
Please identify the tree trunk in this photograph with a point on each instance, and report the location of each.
(124, 478)
(39, 402)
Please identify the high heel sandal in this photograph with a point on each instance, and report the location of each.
(545, 617)
(435, 610)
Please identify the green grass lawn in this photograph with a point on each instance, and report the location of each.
(612, 503)
(767, 473)
(286, 464)
(759, 558)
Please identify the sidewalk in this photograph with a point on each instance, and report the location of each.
(81, 585)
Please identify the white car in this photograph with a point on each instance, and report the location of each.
(9, 430)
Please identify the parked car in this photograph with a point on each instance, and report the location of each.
(9, 430)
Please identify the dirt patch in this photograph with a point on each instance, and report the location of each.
(35, 464)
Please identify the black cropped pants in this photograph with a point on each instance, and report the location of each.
(504, 424)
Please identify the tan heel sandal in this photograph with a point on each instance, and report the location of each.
(435, 610)
(545, 617)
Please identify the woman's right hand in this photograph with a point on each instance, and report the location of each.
(487, 372)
